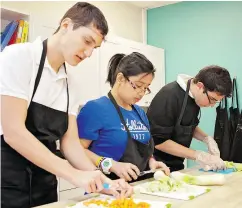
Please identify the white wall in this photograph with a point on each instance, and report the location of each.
(124, 19)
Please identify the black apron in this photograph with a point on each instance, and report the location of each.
(136, 153)
(182, 135)
(221, 132)
(234, 113)
(23, 184)
(236, 151)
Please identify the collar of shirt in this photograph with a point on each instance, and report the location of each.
(38, 47)
(182, 80)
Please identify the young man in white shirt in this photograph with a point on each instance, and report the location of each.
(38, 107)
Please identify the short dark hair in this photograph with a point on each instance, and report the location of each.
(130, 65)
(84, 14)
(215, 79)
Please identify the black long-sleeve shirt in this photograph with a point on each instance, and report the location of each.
(164, 111)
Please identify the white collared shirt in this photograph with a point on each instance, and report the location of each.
(182, 80)
(19, 67)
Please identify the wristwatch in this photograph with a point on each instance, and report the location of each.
(106, 164)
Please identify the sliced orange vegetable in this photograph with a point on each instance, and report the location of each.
(117, 203)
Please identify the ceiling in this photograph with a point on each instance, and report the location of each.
(151, 4)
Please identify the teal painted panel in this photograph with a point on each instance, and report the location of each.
(197, 34)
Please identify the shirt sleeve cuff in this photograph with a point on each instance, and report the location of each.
(14, 94)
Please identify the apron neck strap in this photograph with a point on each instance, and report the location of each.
(39, 73)
(184, 104)
(223, 103)
(41, 67)
(121, 115)
(67, 91)
(235, 94)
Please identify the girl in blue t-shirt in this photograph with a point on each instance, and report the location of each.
(113, 130)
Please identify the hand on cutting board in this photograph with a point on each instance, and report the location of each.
(126, 171)
(208, 161)
(92, 182)
(119, 189)
(212, 146)
(154, 164)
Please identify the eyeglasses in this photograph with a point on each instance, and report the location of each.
(139, 89)
(210, 98)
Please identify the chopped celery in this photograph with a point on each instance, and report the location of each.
(202, 180)
(71, 205)
(189, 179)
(164, 184)
(168, 205)
(208, 190)
(236, 166)
(191, 197)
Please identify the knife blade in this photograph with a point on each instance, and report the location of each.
(146, 172)
(149, 171)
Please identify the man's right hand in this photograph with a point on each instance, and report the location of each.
(92, 182)
(119, 189)
(209, 162)
(126, 171)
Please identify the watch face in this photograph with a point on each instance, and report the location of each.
(106, 163)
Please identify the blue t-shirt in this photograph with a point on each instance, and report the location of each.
(99, 121)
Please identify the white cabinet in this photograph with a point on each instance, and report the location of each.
(85, 77)
(156, 56)
(42, 30)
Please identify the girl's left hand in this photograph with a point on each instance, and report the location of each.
(154, 164)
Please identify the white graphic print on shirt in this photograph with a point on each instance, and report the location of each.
(137, 129)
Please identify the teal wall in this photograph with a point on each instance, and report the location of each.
(196, 34)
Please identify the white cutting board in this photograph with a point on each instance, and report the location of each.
(154, 204)
(191, 192)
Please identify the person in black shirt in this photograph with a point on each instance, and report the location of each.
(174, 117)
